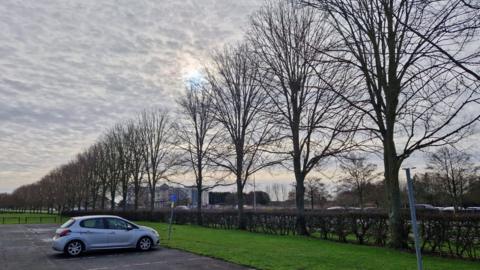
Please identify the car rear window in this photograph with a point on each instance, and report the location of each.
(68, 223)
(96, 223)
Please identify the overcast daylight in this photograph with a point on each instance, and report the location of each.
(240, 134)
(72, 69)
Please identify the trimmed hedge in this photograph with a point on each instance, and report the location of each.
(446, 234)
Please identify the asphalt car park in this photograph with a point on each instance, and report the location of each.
(29, 247)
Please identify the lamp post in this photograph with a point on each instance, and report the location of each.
(413, 215)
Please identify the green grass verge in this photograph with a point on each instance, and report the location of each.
(30, 218)
(264, 251)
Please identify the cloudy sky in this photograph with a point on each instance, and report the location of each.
(71, 69)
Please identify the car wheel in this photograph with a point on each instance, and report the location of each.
(74, 248)
(145, 243)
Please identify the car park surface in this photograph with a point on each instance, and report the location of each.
(28, 246)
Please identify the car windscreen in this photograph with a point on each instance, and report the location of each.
(134, 226)
(68, 223)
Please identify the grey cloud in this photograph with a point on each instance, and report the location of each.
(71, 69)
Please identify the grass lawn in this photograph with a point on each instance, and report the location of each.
(264, 251)
(30, 218)
(292, 252)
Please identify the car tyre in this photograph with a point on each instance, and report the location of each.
(145, 243)
(74, 248)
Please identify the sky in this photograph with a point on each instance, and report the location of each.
(69, 70)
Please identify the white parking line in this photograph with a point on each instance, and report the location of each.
(139, 264)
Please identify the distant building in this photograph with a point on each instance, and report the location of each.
(185, 196)
(194, 197)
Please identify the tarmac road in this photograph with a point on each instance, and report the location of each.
(29, 247)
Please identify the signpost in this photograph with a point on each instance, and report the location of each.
(173, 199)
(413, 215)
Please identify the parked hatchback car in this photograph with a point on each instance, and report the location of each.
(88, 233)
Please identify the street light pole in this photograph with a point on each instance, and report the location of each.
(413, 215)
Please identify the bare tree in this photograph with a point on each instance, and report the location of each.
(197, 135)
(453, 170)
(101, 171)
(134, 146)
(86, 161)
(158, 149)
(417, 86)
(120, 142)
(114, 163)
(314, 119)
(91, 157)
(358, 175)
(315, 191)
(237, 104)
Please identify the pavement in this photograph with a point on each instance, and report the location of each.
(28, 246)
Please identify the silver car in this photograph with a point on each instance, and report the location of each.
(87, 233)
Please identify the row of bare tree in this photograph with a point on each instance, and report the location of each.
(313, 79)
(136, 153)
(413, 73)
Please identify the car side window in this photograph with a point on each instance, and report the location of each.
(95, 223)
(116, 224)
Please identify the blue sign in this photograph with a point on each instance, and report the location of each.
(173, 197)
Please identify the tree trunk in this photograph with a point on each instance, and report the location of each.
(135, 200)
(241, 215)
(301, 223)
(311, 200)
(199, 205)
(104, 196)
(360, 198)
(152, 199)
(392, 167)
(454, 192)
(85, 204)
(112, 200)
(94, 203)
(124, 200)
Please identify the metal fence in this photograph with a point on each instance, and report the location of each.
(32, 220)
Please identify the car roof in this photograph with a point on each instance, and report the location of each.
(95, 216)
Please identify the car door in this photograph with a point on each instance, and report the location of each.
(94, 232)
(120, 233)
